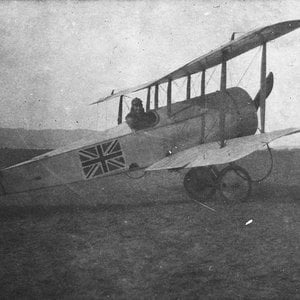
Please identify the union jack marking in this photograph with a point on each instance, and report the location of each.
(101, 159)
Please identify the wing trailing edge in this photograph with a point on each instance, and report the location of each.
(212, 154)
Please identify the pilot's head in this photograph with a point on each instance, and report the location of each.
(137, 106)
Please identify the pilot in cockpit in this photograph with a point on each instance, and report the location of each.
(137, 118)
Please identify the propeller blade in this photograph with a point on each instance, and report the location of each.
(269, 87)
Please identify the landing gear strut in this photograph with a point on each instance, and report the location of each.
(233, 183)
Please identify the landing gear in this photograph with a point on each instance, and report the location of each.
(201, 183)
(233, 183)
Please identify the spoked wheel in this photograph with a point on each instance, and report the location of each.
(234, 184)
(201, 183)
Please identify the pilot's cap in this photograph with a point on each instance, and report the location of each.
(136, 101)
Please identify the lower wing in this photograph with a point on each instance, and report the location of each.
(212, 154)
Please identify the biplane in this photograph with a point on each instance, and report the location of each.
(198, 135)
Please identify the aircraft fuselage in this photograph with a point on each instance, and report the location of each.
(122, 149)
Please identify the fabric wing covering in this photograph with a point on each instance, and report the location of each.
(212, 154)
(215, 57)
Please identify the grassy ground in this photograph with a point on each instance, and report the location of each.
(174, 249)
(154, 243)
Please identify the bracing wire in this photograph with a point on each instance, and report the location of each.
(126, 101)
(179, 87)
(210, 77)
(193, 83)
(163, 89)
(176, 84)
(251, 62)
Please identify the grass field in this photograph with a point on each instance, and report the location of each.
(157, 245)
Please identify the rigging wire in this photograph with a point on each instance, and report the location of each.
(163, 89)
(193, 83)
(211, 75)
(251, 62)
(178, 89)
(126, 102)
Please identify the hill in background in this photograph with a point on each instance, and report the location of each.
(20, 138)
(9, 157)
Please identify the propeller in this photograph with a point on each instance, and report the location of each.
(269, 87)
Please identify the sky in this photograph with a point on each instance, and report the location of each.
(59, 56)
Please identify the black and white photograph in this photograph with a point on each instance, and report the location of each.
(150, 149)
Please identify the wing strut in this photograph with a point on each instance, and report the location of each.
(213, 58)
(203, 83)
(156, 97)
(202, 140)
(148, 99)
(188, 87)
(120, 114)
(169, 97)
(263, 83)
(222, 106)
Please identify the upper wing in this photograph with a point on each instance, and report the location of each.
(212, 154)
(230, 50)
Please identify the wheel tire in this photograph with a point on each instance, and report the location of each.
(234, 184)
(200, 183)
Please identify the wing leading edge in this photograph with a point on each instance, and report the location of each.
(212, 154)
(229, 50)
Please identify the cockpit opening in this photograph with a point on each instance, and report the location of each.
(138, 119)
